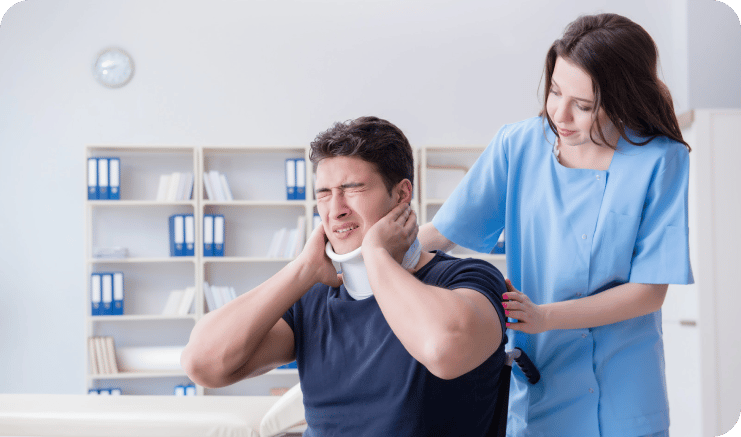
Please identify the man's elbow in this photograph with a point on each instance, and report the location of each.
(450, 359)
(200, 369)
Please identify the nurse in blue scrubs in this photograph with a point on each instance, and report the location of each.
(592, 197)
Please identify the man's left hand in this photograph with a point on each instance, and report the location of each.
(394, 233)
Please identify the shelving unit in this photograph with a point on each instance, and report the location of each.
(441, 169)
(256, 176)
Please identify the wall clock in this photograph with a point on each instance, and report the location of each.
(113, 68)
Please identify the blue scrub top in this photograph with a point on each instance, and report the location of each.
(571, 233)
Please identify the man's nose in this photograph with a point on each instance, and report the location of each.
(338, 206)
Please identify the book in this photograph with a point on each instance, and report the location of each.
(209, 297)
(186, 303)
(207, 186)
(118, 294)
(219, 233)
(300, 179)
(114, 178)
(216, 187)
(290, 179)
(110, 348)
(92, 178)
(177, 235)
(208, 235)
(163, 188)
(96, 293)
(92, 356)
(106, 280)
(173, 303)
(225, 188)
(102, 178)
(190, 235)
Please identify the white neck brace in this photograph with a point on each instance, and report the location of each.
(354, 274)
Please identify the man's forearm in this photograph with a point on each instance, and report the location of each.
(224, 340)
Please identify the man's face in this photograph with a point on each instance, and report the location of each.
(351, 198)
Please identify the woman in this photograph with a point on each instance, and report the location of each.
(592, 195)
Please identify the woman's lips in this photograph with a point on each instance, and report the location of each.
(565, 133)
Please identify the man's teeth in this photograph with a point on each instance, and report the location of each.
(342, 231)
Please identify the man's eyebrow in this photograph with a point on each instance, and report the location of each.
(342, 187)
(591, 102)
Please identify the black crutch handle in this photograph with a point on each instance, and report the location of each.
(527, 366)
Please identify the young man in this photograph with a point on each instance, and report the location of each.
(421, 355)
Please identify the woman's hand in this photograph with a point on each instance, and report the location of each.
(531, 318)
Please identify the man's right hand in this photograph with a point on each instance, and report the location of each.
(314, 259)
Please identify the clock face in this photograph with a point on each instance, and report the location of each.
(113, 68)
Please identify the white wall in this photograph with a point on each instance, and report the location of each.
(252, 72)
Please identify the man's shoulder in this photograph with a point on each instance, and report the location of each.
(444, 267)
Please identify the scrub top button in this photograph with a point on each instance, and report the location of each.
(597, 177)
(578, 294)
(584, 336)
(591, 390)
(584, 237)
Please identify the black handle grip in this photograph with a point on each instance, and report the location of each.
(527, 367)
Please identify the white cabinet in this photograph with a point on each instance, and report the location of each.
(140, 223)
(702, 329)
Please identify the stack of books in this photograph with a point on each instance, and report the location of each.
(217, 296)
(217, 187)
(185, 390)
(107, 293)
(105, 391)
(102, 355)
(103, 178)
(180, 302)
(175, 186)
(288, 243)
(296, 179)
(182, 235)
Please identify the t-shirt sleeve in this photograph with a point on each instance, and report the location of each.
(661, 252)
(473, 215)
(478, 275)
(289, 317)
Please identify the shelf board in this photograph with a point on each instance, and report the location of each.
(139, 374)
(170, 259)
(262, 203)
(244, 259)
(137, 203)
(140, 317)
(433, 202)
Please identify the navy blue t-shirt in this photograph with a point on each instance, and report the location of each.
(358, 379)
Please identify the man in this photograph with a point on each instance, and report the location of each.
(420, 356)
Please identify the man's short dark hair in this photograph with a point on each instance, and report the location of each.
(371, 139)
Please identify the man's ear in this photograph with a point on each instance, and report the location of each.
(404, 190)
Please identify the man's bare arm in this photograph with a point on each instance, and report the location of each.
(247, 336)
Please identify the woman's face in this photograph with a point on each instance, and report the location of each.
(570, 105)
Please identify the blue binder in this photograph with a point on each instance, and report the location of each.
(106, 287)
(190, 235)
(118, 294)
(102, 178)
(95, 294)
(290, 179)
(219, 231)
(114, 178)
(177, 235)
(208, 235)
(92, 178)
(300, 179)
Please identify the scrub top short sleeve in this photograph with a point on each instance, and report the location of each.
(473, 215)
